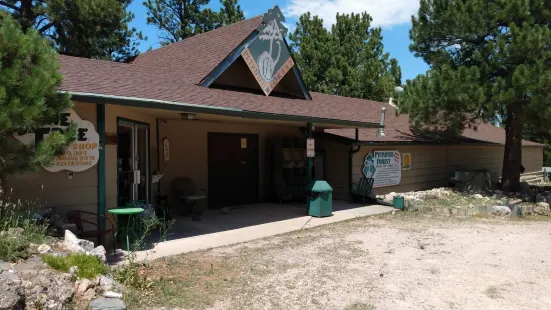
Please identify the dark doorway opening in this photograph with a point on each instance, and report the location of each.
(233, 171)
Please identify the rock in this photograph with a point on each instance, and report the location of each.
(49, 290)
(15, 231)
(83, 285)
(542, 208)
(44, 248)
(88, 295)
(103, 303)
(24, 268)
(4, 266)
(478, 196)
(12, 296)
(513, 202)
(110, 294)
(100, 253)
(60, 254)
(540, 198)
(73, 270)
(9, 276)
(525, 188)
(107, 283)
(500, 210)
(77, 245)
(390, 197)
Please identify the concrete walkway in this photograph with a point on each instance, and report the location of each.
(228, 237)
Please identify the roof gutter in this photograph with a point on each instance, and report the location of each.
(206, 109)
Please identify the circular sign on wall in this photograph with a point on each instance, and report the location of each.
(81, 155)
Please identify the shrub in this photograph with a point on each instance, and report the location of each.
(19, 227)
(88, 266)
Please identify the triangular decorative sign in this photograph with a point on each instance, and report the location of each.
(267, 56)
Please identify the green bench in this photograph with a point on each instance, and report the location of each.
(363, 189)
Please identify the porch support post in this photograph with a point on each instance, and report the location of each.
(351, 151)
(309, 165)
(100, 122)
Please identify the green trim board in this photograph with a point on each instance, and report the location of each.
(214, 110)
(102, 200)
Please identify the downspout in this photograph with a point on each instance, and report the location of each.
(158, 155)
(100, 124)
(351, 151)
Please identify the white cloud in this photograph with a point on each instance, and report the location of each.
(385, 13)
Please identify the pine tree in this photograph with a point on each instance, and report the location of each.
(230, 12)
(84, 28)
(490, 61)
(347, 61)
(180, 19)
(29, 79)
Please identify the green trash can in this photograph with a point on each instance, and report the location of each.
(398, 202)
(321, 199)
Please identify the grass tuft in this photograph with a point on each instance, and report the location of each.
(88, 266)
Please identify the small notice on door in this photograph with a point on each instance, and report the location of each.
(310, 148)
(243, 143)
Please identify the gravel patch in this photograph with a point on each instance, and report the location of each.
(393, 262)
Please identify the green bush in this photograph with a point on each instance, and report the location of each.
(20, 215)
(88, 266)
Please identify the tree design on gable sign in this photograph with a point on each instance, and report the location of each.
(268, 56)
(274, 30)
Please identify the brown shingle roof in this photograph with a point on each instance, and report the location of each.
(398, 129)
(172, 73)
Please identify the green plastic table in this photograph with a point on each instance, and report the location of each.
(131, 212)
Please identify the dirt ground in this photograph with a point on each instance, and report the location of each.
(387, 262)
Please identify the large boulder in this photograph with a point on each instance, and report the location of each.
(44, 248)
(104, 303)
(500, 210)
(49, 289)
(107, 283)
(542, 208)
(12, 296)
(77, 245)
(100, 253)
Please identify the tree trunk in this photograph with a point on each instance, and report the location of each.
(2, 188)
(27, 14)
(512, 158)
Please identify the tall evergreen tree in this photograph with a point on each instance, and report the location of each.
(230, 12)
(348, 61)
(29, 79)
(180, 19)
(85, 28)
(490, 60)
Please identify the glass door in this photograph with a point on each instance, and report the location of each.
(132, 161)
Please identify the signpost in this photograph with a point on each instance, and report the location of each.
(81, 155)
(385, 167)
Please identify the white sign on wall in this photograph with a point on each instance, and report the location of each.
(385, 167)
(310, 148)
(82, 154)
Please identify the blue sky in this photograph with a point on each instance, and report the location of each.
(392, 15)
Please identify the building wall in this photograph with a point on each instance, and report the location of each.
(54, 189)
(433, 165)
(336, 166)
(188, 149)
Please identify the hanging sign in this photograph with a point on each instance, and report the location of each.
(384, 167)
(310, 148)
(406, 161)
(166, 150)
(267, 56)
(81, 155)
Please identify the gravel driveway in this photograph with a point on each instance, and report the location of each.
(391, 262)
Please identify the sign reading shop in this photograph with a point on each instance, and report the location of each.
(82, 154)
(385, 167)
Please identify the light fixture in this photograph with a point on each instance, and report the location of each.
(188, 116)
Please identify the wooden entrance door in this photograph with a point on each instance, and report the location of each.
(233, 169)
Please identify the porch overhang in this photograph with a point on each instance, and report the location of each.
(213, 110)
